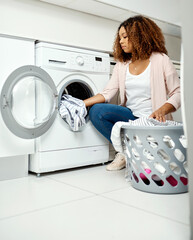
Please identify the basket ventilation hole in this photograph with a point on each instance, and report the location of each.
(175, 168)
(163, 155)
(144, 179)
(148, 155)
(168, 142)
(184, 179)
(127, 139)
(179, 155)
(159, 167)
(145, 167)
(135, 177)
(137, 141)
(135, 153)
(183, 141)
(172, 181)
(185, 166)
(152, 142)
(157, 180)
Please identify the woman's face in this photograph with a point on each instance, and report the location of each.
(126, 45)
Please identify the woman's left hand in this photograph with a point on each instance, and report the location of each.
(158, 115)
(161, 112)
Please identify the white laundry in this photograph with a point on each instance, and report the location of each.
(73, 110)
(143, 121)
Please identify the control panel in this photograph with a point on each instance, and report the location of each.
(87, 61)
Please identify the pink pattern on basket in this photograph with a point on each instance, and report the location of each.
(170, 179)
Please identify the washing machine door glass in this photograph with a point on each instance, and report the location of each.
(29, 102)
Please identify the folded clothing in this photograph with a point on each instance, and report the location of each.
(73, 111)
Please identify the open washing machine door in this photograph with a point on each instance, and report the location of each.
(29, 101)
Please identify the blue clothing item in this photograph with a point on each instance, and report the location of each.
(104, 115)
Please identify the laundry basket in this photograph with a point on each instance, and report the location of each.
(156, 158)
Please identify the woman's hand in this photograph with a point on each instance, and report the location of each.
(161, 112)
(159, 115)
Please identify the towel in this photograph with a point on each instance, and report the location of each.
(73, 111)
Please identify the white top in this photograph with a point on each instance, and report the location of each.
(138, 93)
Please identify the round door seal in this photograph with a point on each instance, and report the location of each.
(6, 98)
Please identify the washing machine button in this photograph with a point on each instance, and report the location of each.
(80, 60)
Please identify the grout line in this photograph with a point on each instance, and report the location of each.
(110, 191)
(44, 208)
(146, 211)
(68, 184)
(89, 190)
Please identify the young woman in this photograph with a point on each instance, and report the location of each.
(145, 77)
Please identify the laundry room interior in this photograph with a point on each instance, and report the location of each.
(57, 178)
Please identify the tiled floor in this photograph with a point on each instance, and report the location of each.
(88, 203)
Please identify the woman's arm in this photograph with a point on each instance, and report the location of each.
(160, 113)
(172, 82)
(95, 99)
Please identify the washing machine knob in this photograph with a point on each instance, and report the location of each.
(80, 60)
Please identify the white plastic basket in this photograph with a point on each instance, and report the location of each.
(156, 158)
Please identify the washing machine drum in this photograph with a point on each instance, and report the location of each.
(77, 89)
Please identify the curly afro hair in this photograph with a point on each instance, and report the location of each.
(145, 36)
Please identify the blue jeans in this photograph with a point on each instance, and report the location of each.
(104, 115)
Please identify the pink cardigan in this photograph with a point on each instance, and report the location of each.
(165, 83)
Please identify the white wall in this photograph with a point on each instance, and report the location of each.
(167, 11)
(173, 45)
(46, 22)
(42, 21)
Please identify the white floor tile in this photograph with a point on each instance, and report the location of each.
(32, 193)
(173, 206)
(94, 179)
(92, 218)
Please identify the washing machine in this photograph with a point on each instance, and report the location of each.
(31, 97)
